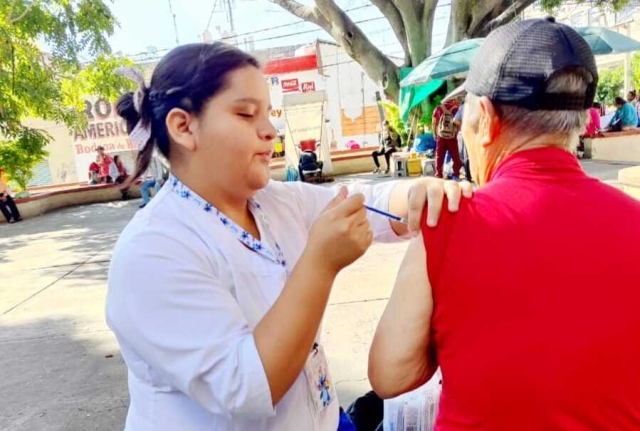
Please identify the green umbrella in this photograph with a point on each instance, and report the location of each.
(605, 41)
(451, 60)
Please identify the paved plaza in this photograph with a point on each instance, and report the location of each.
(60, 367)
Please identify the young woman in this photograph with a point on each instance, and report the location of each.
(218, 287)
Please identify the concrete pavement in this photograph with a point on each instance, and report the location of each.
(60, 367)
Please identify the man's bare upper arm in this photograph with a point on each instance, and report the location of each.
(399, 358)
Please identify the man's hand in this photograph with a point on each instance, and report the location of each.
(431, 192)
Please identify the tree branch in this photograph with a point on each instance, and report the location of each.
(508, 15)
(307, 13)
(22, 15)
(392, 13)
(13, 6)
(328, 15)
(409, 7)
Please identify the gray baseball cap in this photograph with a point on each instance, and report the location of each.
(515, 62)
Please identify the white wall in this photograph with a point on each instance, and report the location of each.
(277, 93)
(346, 85)
(355, 89)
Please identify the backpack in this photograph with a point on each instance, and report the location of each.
(446, 127)
(309, 161)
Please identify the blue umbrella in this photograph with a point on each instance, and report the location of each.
(605, 41)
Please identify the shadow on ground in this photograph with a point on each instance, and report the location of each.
(57, 390)
(63, 237)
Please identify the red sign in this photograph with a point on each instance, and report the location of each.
(290, 85)
(308, 87)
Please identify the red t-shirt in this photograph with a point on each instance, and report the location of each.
(593, 126)
(536, 285)
(104, 165)
(452, 107)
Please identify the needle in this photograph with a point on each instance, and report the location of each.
(388, 215)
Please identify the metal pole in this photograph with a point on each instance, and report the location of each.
(230, 11)
(627, 65)
(175, 22)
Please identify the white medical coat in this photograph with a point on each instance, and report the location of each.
(184, 295)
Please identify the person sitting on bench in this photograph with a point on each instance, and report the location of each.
(388, 145)
(7, 204)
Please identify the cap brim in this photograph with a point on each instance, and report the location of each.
(460, 91)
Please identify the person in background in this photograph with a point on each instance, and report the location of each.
(94, 171)
(446, 134)
(425, 143)
(105, 165)
(458, 122)
(388, 146)
(118, 172)
(593, 124)
(592, 129)
(8, 206)
(153, 179)
(632, 98)
(625, 118)
(521, 324)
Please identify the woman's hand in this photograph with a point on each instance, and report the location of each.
(342, 232)
(431, 191)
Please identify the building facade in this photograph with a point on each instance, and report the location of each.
(352, 112)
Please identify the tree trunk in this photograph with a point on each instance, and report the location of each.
(476, 18)
(328, 15)
(412, 22)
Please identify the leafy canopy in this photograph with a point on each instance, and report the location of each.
(45, 47)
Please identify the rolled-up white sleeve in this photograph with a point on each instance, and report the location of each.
(314, 199)
(166, 304)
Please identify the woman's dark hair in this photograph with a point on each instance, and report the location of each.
(186, 78)
(597, 105)
(116, 159)
(619, 101)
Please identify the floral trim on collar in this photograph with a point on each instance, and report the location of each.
(241, 235)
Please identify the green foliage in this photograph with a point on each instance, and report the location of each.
(49, 83)
(392, 113)
(610, 84)
(551, 5)
(19, 156)
(635, 70)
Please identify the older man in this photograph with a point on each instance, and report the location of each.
(536, 325)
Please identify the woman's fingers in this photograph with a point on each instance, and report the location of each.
(453, 191)
(467, 189)
(417, 200)
(435, 196)
(430, 192)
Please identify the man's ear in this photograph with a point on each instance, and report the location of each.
(179, 126)
(489, 122)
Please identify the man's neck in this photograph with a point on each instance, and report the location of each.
(511, 144)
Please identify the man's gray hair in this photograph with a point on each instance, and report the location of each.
(566, 126)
